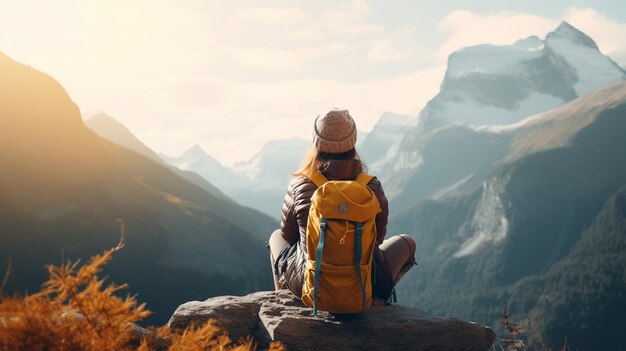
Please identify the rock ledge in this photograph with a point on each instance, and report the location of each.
(279, 316)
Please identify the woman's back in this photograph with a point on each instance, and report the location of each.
(334, 156)
(295, 211)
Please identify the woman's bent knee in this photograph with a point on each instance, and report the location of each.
(399, 255)
(409, 242)
(277, 243)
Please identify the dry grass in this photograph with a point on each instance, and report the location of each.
(76, 310)
(514, 340)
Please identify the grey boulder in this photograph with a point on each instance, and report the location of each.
(279, 316)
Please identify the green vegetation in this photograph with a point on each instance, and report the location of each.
(561, 264)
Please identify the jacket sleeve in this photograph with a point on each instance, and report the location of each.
(288, 223)
(383, 216)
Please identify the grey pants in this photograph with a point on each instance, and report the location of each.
(398, 252)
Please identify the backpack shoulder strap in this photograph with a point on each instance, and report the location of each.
(318, 179)
(364, 179)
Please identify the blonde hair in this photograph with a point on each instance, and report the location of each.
(318, 161)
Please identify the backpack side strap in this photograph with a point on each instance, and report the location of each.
(318, 263)
(364, 179)
(358, 231)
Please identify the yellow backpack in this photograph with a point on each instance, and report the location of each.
(340, 234)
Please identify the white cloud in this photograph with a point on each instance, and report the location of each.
(273, 16)
(267, 59)
(350, 19)
(326, 49)
(256, 112)
(232, 78)
(307, 33)
(360, 8)
(468, 28)
(383, 51)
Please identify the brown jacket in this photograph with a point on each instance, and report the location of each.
(295, 214)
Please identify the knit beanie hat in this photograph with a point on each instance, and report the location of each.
(335, 132)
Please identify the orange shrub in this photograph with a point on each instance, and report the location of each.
(75, 310)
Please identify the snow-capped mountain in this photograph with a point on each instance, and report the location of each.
(488, 84)
(110, 129)
(259, 182)
(544, 231)
(267, 173)
(454, 142)
(451, 145)
(273, 165)
(381, 145)
(361, 136)
(591, 69)
(195, 159)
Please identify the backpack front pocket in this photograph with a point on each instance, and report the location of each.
(339, 288)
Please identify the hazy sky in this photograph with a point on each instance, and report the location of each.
(231, 75)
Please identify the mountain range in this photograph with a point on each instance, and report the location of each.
(512, 181)
(543, 236)
(381, 144)
(450, 147)
(447, 148)
(523, 213)
(488, 84)
(259, 183)
(62, 188)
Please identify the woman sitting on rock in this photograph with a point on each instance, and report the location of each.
(333, 155)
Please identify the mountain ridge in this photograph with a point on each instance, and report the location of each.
(257, 183)
(482, 96)
(249, 218)
(63, 187)
(109, 128)
(509, 242)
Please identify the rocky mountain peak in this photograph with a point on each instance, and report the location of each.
(502, 84)
(392, 119)
(194, 152)
(531, 43)
(567, 32)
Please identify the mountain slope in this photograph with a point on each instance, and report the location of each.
(260, 182)
(268, 173)
(489, 84)
(62, 188)
(462, 133)
(520, 239)
(113, 131)
(250, 219)
(585, 287)
(196, 160)
(381, 145)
